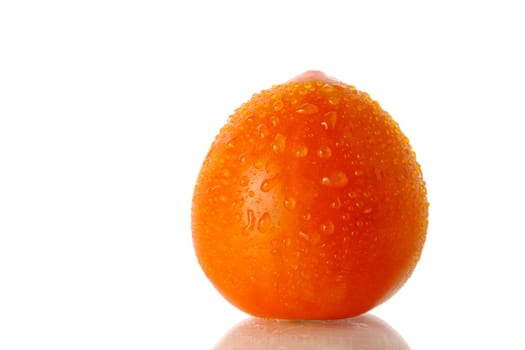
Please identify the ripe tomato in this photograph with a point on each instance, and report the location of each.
(310, 203)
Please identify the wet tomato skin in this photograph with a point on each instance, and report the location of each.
(310, 203)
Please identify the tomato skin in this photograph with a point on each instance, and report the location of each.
(310, 203)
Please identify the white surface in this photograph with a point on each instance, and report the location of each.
(107, 109)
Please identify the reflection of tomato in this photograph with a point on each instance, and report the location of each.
(310, 203)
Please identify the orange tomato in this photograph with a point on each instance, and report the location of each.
(310, 203)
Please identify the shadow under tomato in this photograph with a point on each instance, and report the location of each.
(362, 332)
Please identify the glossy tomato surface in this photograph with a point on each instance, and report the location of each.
(310, 203)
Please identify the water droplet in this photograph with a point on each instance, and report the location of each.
(306, 216)
(359, 223)
(330, 120)
(230, 144)
(324, 152)
(358, 172)
(278, 105)
(223, 198)
(327, 88)
(300, 151)
(307, 108)
(258, 164)
(242, 159)
(279, 143)
(226, 173)
(272, 168)
(287, 242)
(274, 251)
(263, 131)
(295, 267)
(328, 227)
(336, 204)
(274, 120)
(252, 279)
(265, 223)
(367, 210)
(251, 193)
(290, 203)
(333, 100)
(244, 181)
(335, 179)
(268, 184)
(250, 225)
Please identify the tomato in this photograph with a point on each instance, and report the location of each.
(310, 203)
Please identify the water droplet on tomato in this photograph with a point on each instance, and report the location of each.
(244, 181)
(279, 143)
(328, 227)
(330, 119)
(290, 203)
(333, 100)
(336, 204)
(324, 152)
(263, 131)
(268, 184)
(265, 223)
(300, 151)
(336, 179)
(278, 105)
(250, 225)
(307, 108)
(313, 238)
(274, 120)
(242, 159)
(328, 88)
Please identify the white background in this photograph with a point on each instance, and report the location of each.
(107, 109)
